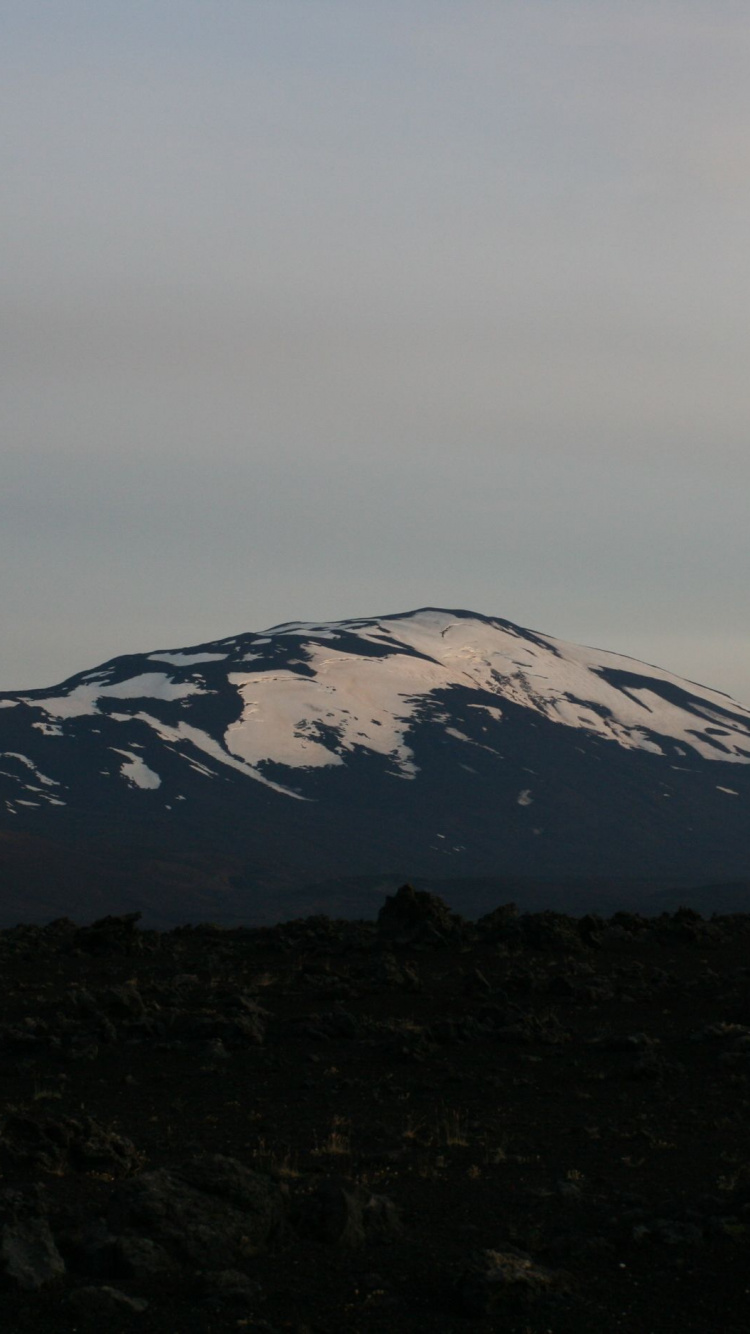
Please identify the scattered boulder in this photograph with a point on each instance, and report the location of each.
(343, 1213)
(123, 1002)
(29, 1257)
(493, 1281)
(412, 916)
(502, 924)
(550, 931)
(228, 1288)
(109, 935)
(140, 1258)
(210, 1211)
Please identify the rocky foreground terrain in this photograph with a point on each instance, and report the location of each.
(531, 1123)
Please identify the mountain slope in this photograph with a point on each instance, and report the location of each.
(433, 743)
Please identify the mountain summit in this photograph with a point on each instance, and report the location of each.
(431, 743)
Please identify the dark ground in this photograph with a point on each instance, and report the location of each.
(531, 1124)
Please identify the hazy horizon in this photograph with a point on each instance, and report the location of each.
(318, 312)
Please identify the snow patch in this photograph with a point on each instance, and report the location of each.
(454, 732)
(202, 741)
(351, 702)
(82, 699)
(525, 798)
(136, 771)
(24, 759)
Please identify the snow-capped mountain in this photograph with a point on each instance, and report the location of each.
(437, 743)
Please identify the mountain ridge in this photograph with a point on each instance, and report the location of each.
(436, 743)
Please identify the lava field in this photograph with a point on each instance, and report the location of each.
(533, 1123)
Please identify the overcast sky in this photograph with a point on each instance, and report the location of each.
(326, 308)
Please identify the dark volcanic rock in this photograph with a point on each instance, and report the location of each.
(550, 931)
(105, 1302)
(88, 1247)
(494, 1282)
(228, 1288)
(140, 1258)
(110, 934)
(345, 1214)
(29, 1257)
(411, 916)
(57, 1143)
(411, 1106)
(210, 1211)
